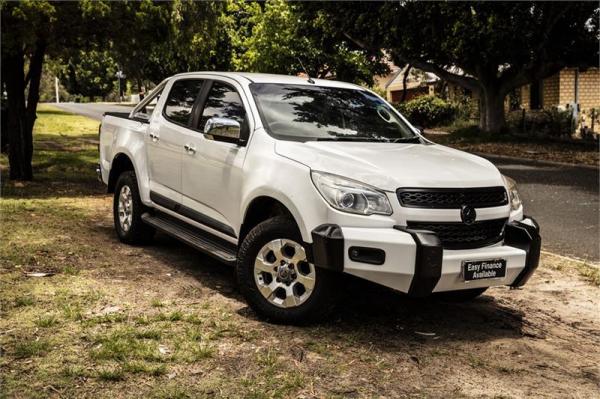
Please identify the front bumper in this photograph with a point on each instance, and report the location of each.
(414, 262)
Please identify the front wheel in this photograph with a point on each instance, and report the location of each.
(276, 277)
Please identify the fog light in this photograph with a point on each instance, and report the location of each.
(373, 256)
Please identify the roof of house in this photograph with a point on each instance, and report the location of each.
(413, 81)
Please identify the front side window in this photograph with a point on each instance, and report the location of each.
(303, 112)
(223, 101)
(180, 102)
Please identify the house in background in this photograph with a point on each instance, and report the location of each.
(418, 83)
(564, 90)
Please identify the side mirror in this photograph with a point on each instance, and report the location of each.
(224, 128)
(141, 117)
(419, 128)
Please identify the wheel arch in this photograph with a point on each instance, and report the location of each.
(121, 163)
(262, 208)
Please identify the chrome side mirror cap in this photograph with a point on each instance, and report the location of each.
(223, 128)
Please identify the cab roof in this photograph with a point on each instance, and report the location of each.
(252, 77)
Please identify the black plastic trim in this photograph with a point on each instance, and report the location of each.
(527, 238)
(369, 255)
(449, 190)
(122, 115)
(328, 247)
(191, 214)
(463, 245)
(428, 262)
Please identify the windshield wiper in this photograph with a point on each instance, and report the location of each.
(347, 139)
(414, 139)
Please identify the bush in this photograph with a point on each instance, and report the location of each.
(546, 123)
(428, 111)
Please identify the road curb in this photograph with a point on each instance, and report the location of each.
(573, 259)
(541, 162)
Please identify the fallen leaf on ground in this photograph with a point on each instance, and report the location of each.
(426, 334)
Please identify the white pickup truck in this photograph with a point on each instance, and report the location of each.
(295, 181)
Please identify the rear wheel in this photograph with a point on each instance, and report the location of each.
(276, 277)
(128, 209)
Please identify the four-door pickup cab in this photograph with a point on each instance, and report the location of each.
(295, 181)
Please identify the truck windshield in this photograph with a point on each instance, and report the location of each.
(303, 113)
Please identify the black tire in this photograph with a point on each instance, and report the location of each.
(316, 307)
(139, 232)
(462, 295)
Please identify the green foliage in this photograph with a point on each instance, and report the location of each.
(283, 37)
(89, 73)
(489, 48)
(428, 111)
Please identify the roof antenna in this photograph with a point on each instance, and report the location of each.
(310, 80)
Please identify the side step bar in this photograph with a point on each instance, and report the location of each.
(194, 237)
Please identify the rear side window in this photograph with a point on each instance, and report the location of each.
(223, 101)
(181, 100)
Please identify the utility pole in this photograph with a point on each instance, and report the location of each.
(56, 89)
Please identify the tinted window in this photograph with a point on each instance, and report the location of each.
(223, 102)
(181, 100)
(303, 112)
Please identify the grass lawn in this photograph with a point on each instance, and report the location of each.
(164, 321)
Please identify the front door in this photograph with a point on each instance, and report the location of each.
(212, 170)
(165, 141)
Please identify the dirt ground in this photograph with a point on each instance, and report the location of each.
(540, 341)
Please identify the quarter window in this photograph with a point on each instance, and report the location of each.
(181, 100)
(223, 101)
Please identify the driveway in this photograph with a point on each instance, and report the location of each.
(563, 199)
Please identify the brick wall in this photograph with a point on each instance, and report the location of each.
(550, 91)
(525, 93)
(559, 89)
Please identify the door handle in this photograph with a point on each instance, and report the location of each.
(154, 137)
(190, 149)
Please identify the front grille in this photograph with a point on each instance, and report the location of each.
(451, 198)
(460, 235)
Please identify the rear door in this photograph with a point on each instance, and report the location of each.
(212, 168)
(166, 139)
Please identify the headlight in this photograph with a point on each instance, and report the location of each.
(351, 196)
(513, 194)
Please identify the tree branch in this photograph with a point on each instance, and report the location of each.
(461, 80)
(530, 74)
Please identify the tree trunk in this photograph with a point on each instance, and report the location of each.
(21, 116)
(491, 110)
(404, 81)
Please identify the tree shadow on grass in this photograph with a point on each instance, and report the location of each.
(367, 314)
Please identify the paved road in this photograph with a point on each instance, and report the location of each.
(92, 110)
(563, 199)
